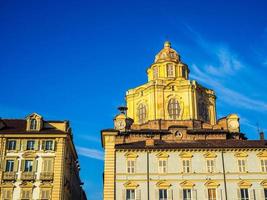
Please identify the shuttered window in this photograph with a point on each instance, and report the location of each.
(264, 165)
(26, 194)
(162, 166)
(7, 194)
(170, 70)
(186, 166)
(212, 195)
(242, 165)
(155, 72)
(130, 166)
(210, 165)
(48, 165)
(174, 109)
(45, 194)
(141, 112)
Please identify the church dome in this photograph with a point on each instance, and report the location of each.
(167, 54)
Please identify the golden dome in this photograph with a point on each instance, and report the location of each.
(167, 54)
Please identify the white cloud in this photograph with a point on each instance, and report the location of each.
(227, 95)
(90, 153)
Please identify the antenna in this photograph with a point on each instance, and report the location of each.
(258, 127)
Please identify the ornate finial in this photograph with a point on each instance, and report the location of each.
(167, 44)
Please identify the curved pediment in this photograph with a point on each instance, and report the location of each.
(130, 185)
(210, 155)
(212, 184)
(131, 155)
(162, 155)
(262, 154)
(187, 184)
(241, 154)
(264, 183)
(163, 184)
(186, 155)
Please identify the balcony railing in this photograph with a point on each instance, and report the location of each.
(9, 176)
(27, 176)
(46, 176)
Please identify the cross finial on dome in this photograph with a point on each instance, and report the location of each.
(167, 44)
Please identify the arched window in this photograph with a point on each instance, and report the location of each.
(174, 109)
(141, 112)
(33, 124)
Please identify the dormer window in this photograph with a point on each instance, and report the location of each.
(33, 124)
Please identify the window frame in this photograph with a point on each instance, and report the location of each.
(32, 146)
(164, 193)
(246, 192)
(214, 192)
(33, 124)
(174, 108)
(30, 167)
(131, 169)
(13, 165)
(263, 165)
(130, 197)
(162, 165)
(141, 113)
(155, 72)
(210, 165)
(170, 70)
(14, 146)
(185, 190)
(186, 168)
(242, 165)
(45, 190)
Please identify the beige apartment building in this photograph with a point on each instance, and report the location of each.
(168, 144)
(38, 160)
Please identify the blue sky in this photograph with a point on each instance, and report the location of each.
(75, 59)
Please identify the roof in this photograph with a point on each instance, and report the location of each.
(19, 126)
(196, 144)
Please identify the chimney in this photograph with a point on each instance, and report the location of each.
(261, 135)
(150, 142)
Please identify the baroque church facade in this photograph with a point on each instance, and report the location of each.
(167, 143)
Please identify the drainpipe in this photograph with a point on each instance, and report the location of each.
(224, 177)
(147, 159)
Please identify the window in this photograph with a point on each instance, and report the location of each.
(183, 72)
(130, 194)
(186, 166)
(25, 194)
(7, 194)
(45, 194)
(211, 194)
(244, 194)
(264, 165)
(141, 113)
(30, 145)
(28, 166)
(131, 166)
(170, 70)
(11, 145)
(155, 72)
(162, 166)
(265, 193)
(187, 194)
(9, 165)
(174, 109)
(210, 165)
(48, 145)
(242, 165)
(162, 194)
(48, 165)
(33, 124)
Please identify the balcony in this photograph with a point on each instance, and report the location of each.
(46, 176)
(9, 176)
(27, 176)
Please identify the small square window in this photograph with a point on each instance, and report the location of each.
(30, 145)
(11, 144)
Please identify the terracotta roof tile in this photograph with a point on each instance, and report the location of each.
(202, 144)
